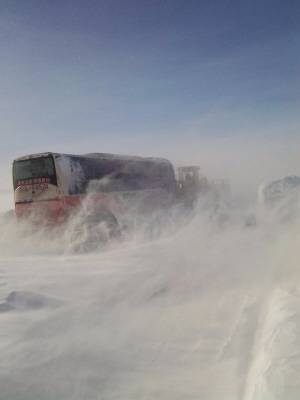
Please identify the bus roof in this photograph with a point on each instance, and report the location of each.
(36, 155)
(103, 156)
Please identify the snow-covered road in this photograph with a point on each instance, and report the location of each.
(209, 311)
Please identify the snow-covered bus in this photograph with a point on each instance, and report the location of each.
(55, 185)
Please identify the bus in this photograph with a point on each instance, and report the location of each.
(54, 185)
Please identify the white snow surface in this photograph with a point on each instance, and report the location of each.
(210, 309)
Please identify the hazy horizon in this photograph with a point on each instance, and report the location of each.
(187, 81)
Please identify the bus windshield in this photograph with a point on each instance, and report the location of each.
(42, 167)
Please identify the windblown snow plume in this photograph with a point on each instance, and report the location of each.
(205, 307)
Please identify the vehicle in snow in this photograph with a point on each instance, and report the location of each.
(190, 184)
(105, 194)
(50, 186)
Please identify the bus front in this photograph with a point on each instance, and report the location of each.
(36, 188)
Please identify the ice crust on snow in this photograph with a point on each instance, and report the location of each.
(23, 300)
(280, 189)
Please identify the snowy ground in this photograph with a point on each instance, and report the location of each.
(209, 311)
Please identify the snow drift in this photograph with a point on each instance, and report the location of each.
(205, 309)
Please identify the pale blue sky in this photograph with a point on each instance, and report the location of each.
(142, 76)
